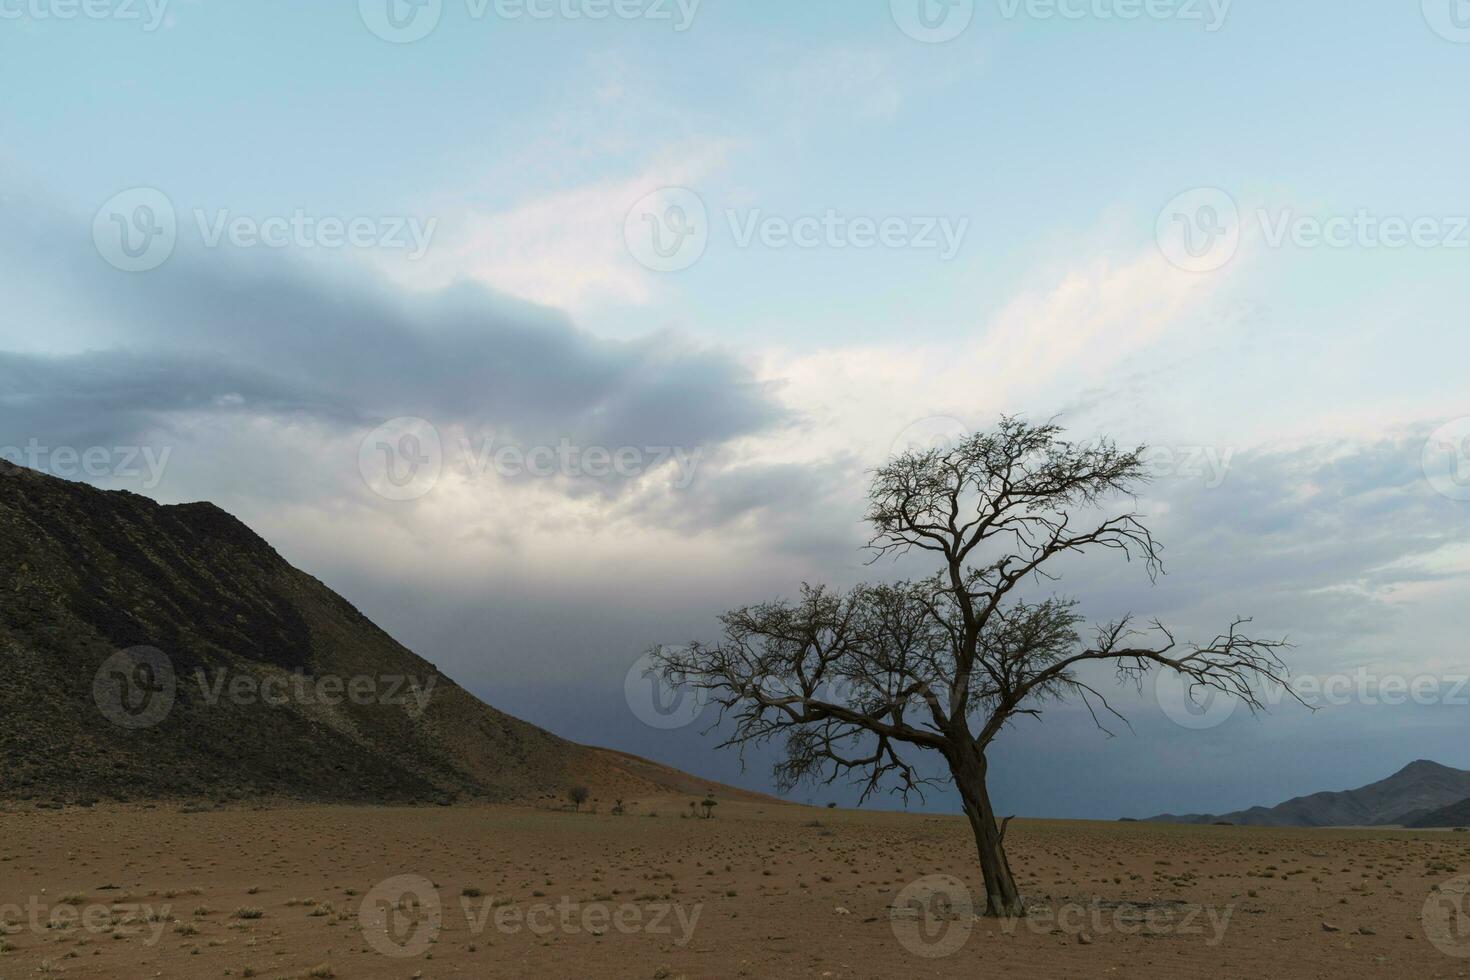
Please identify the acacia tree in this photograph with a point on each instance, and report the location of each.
(853, 681)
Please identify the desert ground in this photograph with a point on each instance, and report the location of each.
(758, 890)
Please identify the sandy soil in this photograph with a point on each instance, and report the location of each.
(758, 891)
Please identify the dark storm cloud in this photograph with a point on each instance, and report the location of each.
(229, 330)
(106, 396)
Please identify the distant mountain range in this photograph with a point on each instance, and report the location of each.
(152, 651)
(1422, 794)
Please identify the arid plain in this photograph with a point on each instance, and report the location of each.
(757, 890)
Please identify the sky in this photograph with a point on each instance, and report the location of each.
(547, 330)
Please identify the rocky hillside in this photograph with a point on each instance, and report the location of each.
(1454, 815)
(152, 651)
(1407, 795)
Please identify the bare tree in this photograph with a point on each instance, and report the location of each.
(577, 795)
(851, 681)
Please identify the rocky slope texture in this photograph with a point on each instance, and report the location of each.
(1454, 815)
(223, 637)
(1403, 798)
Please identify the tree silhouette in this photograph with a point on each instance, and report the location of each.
(850, 681)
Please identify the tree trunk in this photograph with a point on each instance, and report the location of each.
(1002, 898)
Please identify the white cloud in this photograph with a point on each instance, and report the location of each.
(1039, 351)
(564, 248)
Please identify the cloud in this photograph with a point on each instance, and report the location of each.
(280, 337)
(565, 247)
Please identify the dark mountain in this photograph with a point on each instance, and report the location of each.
(1454, 815)
(1413, 791)
(152, 651)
